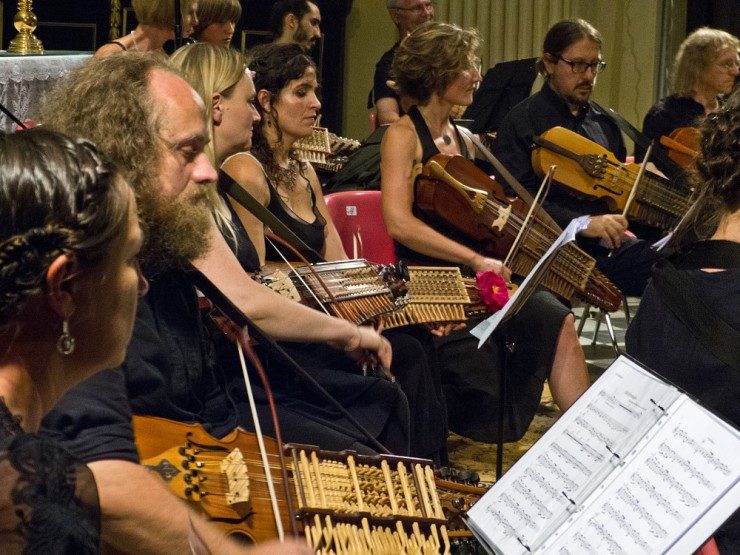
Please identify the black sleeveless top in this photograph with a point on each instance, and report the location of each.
(310, 233)
(243, 247)
(429, 149)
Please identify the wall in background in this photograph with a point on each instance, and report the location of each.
(514, 29)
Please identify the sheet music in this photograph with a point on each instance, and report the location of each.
(484, 330)
(681, 469)
(618, 421)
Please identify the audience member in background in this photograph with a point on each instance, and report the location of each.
(700, 353)
(407, 15)
(437, 64)
(156, 26)
(297, 21)
(286, 98)
(217, 21)
(704, 72)
(69, 237)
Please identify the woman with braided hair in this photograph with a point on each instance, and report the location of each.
(68, 232)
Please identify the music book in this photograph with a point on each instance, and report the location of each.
(635, 466)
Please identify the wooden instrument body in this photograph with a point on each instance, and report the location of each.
(360, 291)
(682, 145)
(591, 171)
(327, 488)
(183, 454)
(454, 190)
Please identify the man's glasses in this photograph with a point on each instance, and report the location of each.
(581, 67)
(421, 8)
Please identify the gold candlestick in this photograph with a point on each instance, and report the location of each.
(25, 23)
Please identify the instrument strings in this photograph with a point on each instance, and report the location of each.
(655, 189)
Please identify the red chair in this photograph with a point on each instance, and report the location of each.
(709, 548)
(358, 217)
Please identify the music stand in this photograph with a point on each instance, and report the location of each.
(503, 87)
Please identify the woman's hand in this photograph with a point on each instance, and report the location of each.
(484, 264)
(443, 329)
(368, 347)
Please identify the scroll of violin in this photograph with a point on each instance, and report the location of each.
(589, 170)
(341, 499)
(454, 190)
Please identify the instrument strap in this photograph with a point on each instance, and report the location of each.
(680, 296)
(227, 184)
(663, 161)
(519, 189)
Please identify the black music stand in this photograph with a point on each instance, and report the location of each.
(502, 332)
(503, 87)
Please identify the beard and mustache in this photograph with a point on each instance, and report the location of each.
(177, 231)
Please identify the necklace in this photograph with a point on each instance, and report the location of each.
(133, 38)
(446, 139)
(286, 177)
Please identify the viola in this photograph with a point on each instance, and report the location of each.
(588, 170)
(682, 145)
(456, 191)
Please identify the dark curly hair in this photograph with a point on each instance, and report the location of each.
(274, 66)
(57, 195)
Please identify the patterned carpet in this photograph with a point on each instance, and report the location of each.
(481, 457)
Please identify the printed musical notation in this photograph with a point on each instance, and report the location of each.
(629, 469)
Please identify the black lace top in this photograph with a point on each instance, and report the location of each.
(48, 500)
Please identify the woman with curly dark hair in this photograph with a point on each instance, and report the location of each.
(703, 278)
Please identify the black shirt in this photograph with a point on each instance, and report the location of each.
(670, 113)
(535, 115)
(382, 75)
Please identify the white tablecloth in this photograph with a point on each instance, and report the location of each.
(25, 79)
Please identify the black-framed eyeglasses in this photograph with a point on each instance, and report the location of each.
(581, 67)
(421, 8)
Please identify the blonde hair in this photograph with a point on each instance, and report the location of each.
(160, 13)
(210, 69)
(696, 53)
(432, 57)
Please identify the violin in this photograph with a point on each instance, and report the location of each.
(588, 170)
(456, 191)
(682, 145)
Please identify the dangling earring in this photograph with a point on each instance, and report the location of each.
(65, 343)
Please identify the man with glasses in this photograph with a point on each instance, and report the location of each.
(407, 15)
(570, 62)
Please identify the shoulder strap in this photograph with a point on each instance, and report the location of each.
(680, 296)
(227, 184)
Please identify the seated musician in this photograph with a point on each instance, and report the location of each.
(156, 26)
(68, 228)
(662, 334)
(169, 370)
(437, 64)
(570, 63)
(285, 80)
(704, 71)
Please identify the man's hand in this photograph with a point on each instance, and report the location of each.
(484, 264)
(610, 228)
